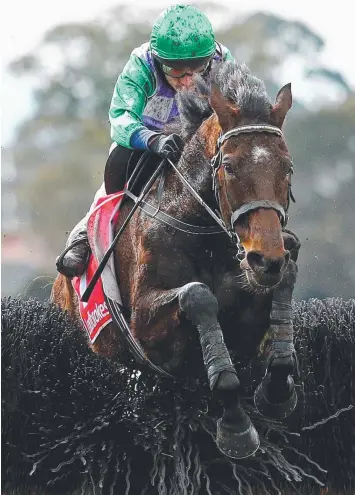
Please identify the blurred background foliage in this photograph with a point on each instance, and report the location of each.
(56, 162)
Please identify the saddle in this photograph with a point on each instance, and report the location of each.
(100, 229)
(104, 305)
(123, 166)
(128, 168)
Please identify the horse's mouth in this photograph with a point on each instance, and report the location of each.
(258, 281)
(257, 286)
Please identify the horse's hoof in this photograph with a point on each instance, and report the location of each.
(273, 409)
(237, 444)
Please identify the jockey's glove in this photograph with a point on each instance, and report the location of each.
(167, 146)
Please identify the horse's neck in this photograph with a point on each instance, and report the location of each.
(195, 166)
(199, 176)
(196, 161)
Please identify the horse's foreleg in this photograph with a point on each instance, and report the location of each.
(236, 435)
(201, 307)
(158, 315)
(276, 395)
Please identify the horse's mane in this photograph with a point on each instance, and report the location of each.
(235, 83)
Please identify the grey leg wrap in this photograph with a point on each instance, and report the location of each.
(279, 340)
(201, 307)
(276, 396)
(215, 353)
(280, 334)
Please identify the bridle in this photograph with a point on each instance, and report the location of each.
(216, 164)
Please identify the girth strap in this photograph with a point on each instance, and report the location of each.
(134, 346)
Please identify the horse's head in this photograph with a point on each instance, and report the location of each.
(253, 174)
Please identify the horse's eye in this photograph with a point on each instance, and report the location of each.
(289, 174)
(228, 168)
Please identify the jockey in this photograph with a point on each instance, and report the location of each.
(182, 43)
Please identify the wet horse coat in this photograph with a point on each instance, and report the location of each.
(173, 283)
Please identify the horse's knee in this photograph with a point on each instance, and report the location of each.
(289, 278)
(197, 301)
(291, 243)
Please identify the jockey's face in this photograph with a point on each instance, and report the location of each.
(181, 82)
(181, 77)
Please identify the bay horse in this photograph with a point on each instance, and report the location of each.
(184, 292)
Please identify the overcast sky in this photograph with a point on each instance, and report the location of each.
(25, 21)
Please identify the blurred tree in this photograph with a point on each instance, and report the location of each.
(269, 44)
(323, 147)
(60, 152)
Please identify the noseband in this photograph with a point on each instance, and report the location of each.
(216, 163)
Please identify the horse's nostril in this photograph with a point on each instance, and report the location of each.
(271, 266)
(256, 261)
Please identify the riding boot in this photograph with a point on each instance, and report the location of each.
(74, 259)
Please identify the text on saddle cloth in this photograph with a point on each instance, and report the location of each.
(101, 223)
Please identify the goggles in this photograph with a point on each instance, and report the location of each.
(179, 73)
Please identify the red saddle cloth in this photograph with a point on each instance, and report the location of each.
(95, 314)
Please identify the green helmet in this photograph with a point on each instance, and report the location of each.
(182, 33)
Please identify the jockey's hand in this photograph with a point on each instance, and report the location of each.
(167, 146)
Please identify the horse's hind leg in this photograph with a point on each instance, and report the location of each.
(276, 395)
(236, 435)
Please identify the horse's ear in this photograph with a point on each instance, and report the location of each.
(282, 105)
(227, 112)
